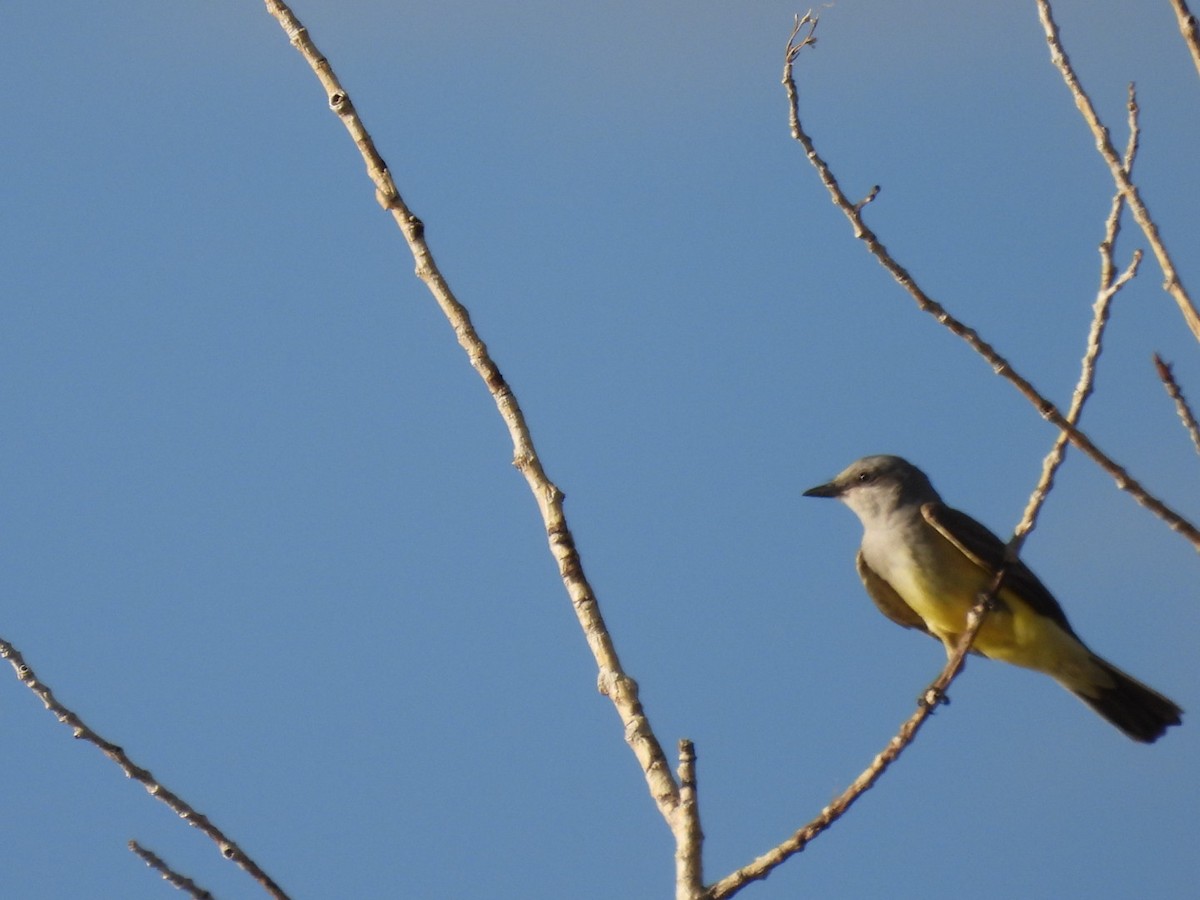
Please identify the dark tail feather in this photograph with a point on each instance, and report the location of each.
(1142, 713)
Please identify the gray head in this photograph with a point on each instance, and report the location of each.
(876, 486)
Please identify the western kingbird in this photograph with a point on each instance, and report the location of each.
(925, 565)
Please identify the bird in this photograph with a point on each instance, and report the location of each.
(925, 565)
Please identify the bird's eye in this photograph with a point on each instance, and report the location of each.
(865, 477)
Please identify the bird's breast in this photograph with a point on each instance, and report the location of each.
(929, 573)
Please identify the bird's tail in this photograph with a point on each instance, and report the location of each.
(1141, 712)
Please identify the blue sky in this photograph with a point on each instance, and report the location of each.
(261, 526)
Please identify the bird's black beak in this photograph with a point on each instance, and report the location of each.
(824, 490)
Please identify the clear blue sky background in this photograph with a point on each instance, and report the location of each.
(260, 525)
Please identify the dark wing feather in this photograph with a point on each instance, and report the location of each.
(987, 551)
(889, 602)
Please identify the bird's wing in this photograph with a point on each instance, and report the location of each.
(889, 602)
(987, 551)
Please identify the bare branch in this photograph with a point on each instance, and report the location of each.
(228, 848)
(870, 198)
(925, 303)
(1171, 281)
(931, 698)
(182, 882)
(1112, 225)
(689, 868)
(1181, 405)
(1187, 27)
(613, 681)
(1087, 377)
(1110, 284)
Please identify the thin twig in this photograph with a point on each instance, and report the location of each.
(182, 882)
(689, 869)
(1187, 27)
(1171, 281)
(228, 848)
(613, 681)
(931, 698)
(1181, 405)
(1112, 225)
(1110, 284)
(1083, 390)
(925, 303)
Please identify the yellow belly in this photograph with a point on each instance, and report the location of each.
(943, 591)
